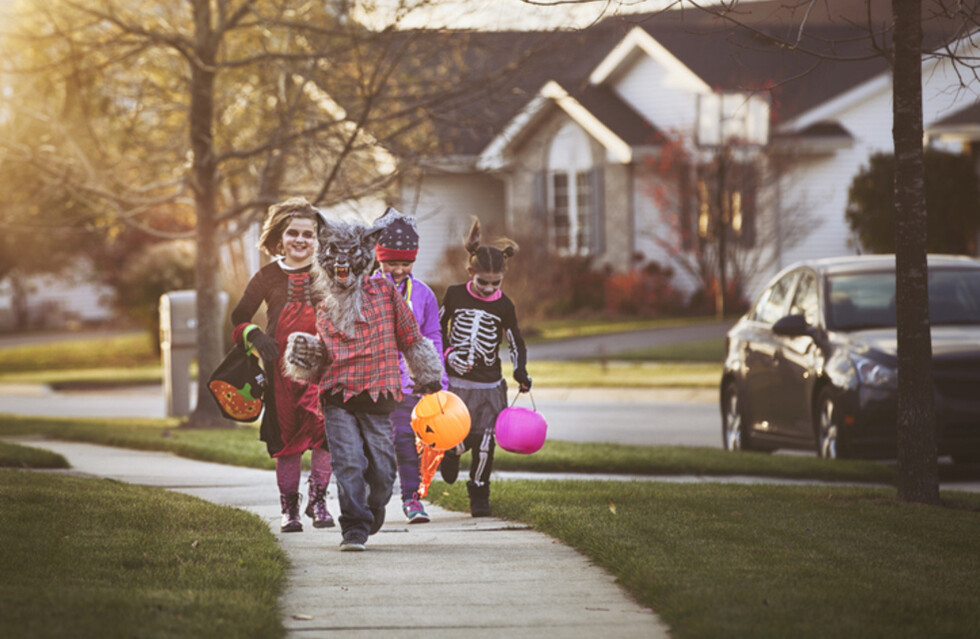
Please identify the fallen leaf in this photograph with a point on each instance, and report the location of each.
(612, 508)
(195, 544)
(302, 617)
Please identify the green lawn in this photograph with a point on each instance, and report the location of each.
(99, 559)
(762, 561)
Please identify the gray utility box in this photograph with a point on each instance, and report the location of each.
(178, 346)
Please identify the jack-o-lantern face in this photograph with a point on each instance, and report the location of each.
(239, 403)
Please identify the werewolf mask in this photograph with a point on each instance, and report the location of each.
(344, 259)
(345, 251)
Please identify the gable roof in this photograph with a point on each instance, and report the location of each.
(598, 110)
(833, 56)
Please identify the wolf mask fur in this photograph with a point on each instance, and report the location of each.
(344, 259)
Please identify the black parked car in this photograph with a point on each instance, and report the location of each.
(813, 364)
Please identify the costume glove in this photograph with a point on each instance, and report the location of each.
(426, 388)
(267, 347)
(521, 377)
(306, 351)
(457, 361)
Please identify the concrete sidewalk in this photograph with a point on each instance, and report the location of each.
(456, 576)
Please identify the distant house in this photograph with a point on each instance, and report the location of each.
(565, 151)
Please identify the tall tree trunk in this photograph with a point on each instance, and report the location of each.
(918, 479)
(203, 174)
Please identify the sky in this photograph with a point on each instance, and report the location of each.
(518, 14)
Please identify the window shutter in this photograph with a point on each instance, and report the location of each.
(540, 195)
(598, 211)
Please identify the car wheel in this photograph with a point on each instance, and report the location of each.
(733, 434)
(826, 425)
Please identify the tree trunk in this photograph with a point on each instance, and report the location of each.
(918, 479)
(203, 175)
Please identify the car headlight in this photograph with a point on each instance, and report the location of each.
(875, 374)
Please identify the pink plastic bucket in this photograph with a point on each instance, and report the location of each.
(520, 430)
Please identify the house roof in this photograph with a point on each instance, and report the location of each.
(833, 55)
(968, 116)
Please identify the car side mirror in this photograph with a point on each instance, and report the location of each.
(792, 326)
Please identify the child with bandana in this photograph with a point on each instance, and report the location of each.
(396, 251)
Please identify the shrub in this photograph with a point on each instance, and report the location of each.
(163, 267)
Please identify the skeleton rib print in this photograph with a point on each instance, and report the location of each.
(475, 335)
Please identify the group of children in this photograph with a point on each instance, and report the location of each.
(349, 354)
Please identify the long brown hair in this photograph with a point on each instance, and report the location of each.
(278, 218)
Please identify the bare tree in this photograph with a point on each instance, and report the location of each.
(725, 209)
(215, 109)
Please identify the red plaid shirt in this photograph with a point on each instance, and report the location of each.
(368, 360)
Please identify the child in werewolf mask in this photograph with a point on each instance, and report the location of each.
(362, 325)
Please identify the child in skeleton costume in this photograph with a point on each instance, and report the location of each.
(397, 248)
(291, 423)
(362, 324)
(475, 318)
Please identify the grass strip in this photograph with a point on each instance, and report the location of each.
(17, 456)
(132, 349)
(763, 561)
(621, 374)
(566, 328)
(237, 445)
(89, 378)
(94, 558)
(577, 457)
(240, 446)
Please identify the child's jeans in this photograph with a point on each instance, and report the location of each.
(363, 465)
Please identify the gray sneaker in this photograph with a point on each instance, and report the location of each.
(353, 543)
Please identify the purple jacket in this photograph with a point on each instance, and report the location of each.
(425, 306)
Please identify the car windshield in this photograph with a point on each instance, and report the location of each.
(867, 300)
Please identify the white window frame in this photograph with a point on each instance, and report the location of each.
(570, 158)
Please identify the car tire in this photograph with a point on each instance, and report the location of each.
(829, 437)
(734, 436)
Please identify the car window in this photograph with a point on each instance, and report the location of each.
(860, 301)
(954, 297)
(805, 298)
(770, 306)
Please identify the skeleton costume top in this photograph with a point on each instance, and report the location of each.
(472, 329)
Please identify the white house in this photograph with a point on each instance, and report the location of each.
(568, 153)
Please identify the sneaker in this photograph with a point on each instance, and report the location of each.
(379, 519)
(449, 468)
(353, 543)
(414, 510)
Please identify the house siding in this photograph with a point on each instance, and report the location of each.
(661, 95)
(446, 205)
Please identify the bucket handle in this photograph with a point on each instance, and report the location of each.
(533, 407)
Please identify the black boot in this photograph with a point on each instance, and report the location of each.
(290, 513)
(479, 499)
(316, 507)
(449, 467)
